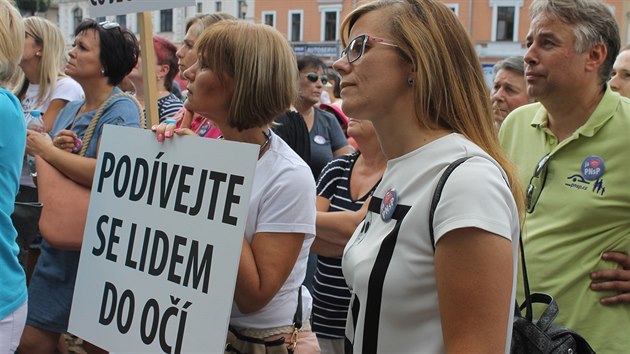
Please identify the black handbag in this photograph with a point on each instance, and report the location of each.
(25, 219)
(529, 335)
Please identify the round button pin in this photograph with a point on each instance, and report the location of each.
(592, 168)
(388, 205)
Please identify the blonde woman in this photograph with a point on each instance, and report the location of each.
(44, 86)
(410, 68)
(12, 142)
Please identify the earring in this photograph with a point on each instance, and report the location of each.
(410, 82)
(38, 54)
(103, 71)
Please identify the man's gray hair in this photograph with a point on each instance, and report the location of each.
(593, 23)
(515, 64)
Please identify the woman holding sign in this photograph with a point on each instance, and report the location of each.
(244, 77)
(102, 55)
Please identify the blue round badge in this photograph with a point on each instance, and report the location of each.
(388, 205)
(592, 168)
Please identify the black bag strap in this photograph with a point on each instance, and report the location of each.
(437, 194)
(297, 318)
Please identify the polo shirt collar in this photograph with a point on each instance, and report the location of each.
(605, 110)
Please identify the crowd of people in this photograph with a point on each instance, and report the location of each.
(340, 224)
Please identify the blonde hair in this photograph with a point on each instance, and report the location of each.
(53, 56)
(261, 63)
(449, 87)
(11, 40)
(203, 21)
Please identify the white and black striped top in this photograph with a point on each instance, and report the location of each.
(168, 106)
(331, 296)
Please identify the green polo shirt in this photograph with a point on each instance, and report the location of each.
(581, 212)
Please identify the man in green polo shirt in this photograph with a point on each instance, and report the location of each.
(571, 148)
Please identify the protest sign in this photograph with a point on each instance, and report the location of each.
(119, 7)
(162, 242)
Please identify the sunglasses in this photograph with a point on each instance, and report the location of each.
(355, 49)
(107, 25)
(312, 77)
(537, 183)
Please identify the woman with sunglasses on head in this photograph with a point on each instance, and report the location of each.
(13, 293)
(327, 137)
(102, 55)
(281, 218)
(409, 67)
(43, 87)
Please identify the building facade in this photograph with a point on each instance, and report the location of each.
(497, 27)
(169, 23)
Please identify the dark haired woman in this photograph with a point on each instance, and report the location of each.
(102, 55)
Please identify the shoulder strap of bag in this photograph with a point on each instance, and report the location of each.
(297, 318)
(90, 130)
(437, 194)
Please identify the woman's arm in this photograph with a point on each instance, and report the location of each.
(78, 168)
(334, 229)
(264, 267)
(52, 112)
(474, 271)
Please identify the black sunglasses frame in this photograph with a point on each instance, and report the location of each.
(535, 188)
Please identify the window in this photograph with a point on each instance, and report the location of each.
(77, 16)
(330, 26)
(199, 7)
(505, 20)
(166, 20)
(101, 19)
(218, 6)
(454, 8)
(269, 18)
(329, 23)
(505, 23)
(295, 25)
(122, 20)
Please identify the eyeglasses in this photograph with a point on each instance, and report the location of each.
(537, 183)
(34, 36)
(312, 77)
(107, 25)
(355, 49)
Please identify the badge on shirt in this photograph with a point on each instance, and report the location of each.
(592, 168)
(388, 205)
(320, 140)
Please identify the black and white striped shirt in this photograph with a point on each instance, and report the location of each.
(331, 296)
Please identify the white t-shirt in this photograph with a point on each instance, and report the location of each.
(282, 200)
(66, 89)
(475, 195)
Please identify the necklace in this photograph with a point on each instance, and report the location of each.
(264, 146)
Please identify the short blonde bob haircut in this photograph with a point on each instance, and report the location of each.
(261, 63)
(11, 40)
(449, 87)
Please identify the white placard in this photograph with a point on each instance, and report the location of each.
(162, 242)
(120, 7)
